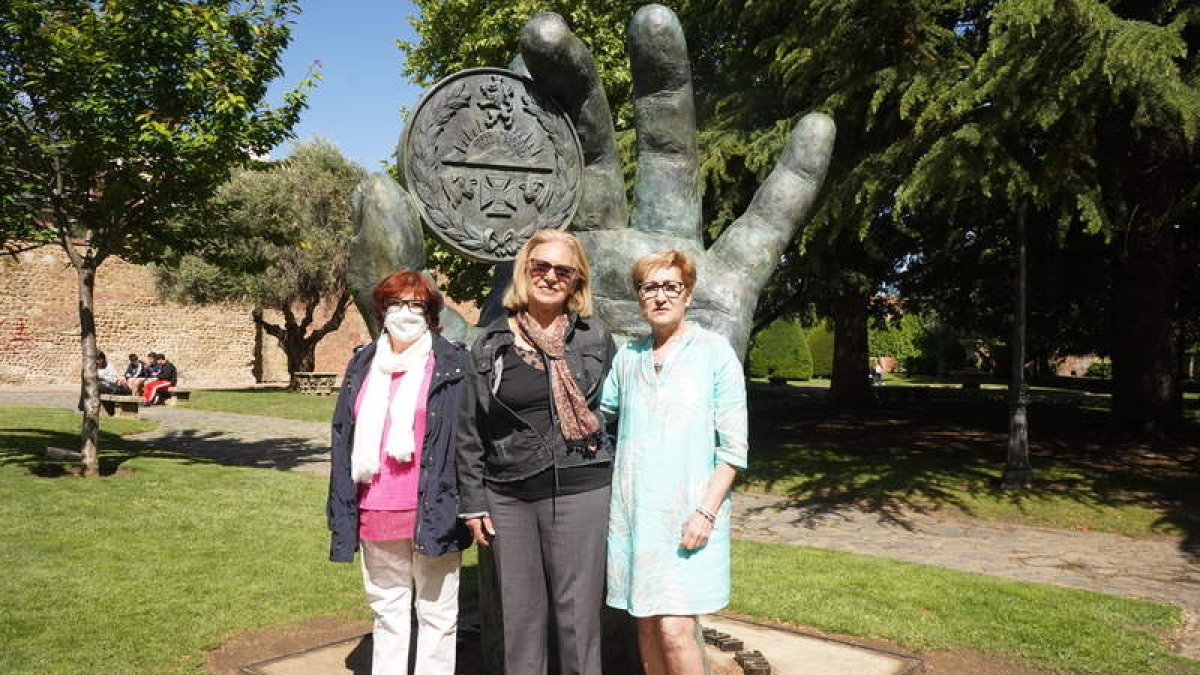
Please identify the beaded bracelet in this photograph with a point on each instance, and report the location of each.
(708, 515)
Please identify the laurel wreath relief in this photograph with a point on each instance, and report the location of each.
(425, 170)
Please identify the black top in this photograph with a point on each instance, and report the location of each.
(525, 390)
(167, 372)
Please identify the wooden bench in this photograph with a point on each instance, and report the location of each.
(316, 384)
(178, 395)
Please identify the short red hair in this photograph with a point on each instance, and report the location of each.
(407, 282)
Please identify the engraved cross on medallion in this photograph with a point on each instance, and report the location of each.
(497, 200)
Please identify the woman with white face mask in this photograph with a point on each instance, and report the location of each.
(392, 487)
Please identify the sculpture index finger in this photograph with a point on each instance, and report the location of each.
(563, 67)
(667, 189)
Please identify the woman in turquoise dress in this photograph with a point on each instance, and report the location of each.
(679, 396)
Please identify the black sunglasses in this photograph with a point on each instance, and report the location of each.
(540, 268)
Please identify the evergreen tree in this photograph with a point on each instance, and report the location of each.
(1086, 112)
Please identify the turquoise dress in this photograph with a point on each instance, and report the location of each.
(675, 427)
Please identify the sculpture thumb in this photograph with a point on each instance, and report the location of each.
(387, 237)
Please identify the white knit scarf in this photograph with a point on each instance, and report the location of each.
(374, 411)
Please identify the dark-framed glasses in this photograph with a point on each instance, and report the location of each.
(540, 268)
(671, 289)
(414, 306)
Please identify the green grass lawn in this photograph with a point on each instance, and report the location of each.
(1066, 496)
(931, 609)
(956, 465)
(271, 403)
(940, 451)
(144, 570)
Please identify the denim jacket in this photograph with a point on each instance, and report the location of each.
(496, 444)
(438, 530)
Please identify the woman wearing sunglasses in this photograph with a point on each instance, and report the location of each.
(392, 487)
(534, 463)
(680, 401)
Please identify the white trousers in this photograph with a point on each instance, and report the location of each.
(396, 578)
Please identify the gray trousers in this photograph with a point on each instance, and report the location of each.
(550, 557)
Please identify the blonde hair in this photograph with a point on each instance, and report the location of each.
(516, 297)
(665, 260)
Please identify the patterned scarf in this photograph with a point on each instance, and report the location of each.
(579, 425)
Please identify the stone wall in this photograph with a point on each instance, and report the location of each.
(212, 345)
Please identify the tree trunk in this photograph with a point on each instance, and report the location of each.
(257, 370)
(301, 349)
(1146, 391)
(301, 353)
(850, 387)
(90, 398)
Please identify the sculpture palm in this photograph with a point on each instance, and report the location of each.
(667, 210)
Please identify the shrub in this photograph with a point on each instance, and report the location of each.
(820, 345)
(781, 351)
(898, 338)
(1101, 369)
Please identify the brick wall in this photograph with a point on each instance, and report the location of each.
(212, 345)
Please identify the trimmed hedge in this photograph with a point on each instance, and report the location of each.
(780, 351)
(820, 345)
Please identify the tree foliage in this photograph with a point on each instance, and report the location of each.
(1085, 113)
(952, 116)
(899, 338)
(116, 117)
(287, 228)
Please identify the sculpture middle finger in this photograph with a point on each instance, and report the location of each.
(667, 189)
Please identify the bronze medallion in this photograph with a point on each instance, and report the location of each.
(491, 160)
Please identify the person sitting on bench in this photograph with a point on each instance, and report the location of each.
(148, 371)
(157, 390)
(110, 381)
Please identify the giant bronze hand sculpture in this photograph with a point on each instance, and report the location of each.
(667, 210)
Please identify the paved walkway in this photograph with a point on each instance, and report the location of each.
(1155, 569)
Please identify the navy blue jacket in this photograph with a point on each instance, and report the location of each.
(439, 530)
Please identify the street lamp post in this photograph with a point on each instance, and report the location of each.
(1018, 473)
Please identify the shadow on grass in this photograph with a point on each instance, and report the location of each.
(27, 448)
(935, 448)
(281, 453)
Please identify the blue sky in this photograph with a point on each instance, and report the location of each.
(357, 103)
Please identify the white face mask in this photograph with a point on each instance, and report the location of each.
(404, 324)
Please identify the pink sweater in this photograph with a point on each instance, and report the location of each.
(387, 506)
